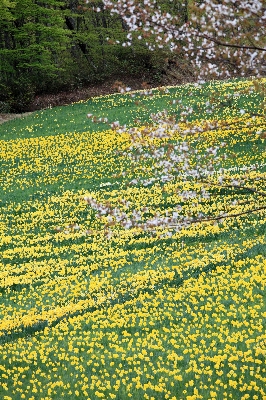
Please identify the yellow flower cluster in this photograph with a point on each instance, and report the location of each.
(133, 315)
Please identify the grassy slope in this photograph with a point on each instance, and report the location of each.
(136, 316)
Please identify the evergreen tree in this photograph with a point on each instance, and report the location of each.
(31, 40)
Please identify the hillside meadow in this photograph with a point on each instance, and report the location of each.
(92, 313)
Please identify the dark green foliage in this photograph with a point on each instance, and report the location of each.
(48, 46)
(30, 41)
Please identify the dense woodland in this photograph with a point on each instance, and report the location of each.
(49, 46)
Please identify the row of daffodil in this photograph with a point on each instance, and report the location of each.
(66, 159)
(91, 311)
(198, 337)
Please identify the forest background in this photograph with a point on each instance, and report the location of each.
(51, 46)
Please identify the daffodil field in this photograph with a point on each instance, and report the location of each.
(94, 313)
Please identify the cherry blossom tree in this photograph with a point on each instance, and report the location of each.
(221, 39)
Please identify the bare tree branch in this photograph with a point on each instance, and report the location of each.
(238, 46)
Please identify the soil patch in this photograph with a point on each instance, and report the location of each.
(8, 117)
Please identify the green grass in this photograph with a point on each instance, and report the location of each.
(72, 118)
(139, 315)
